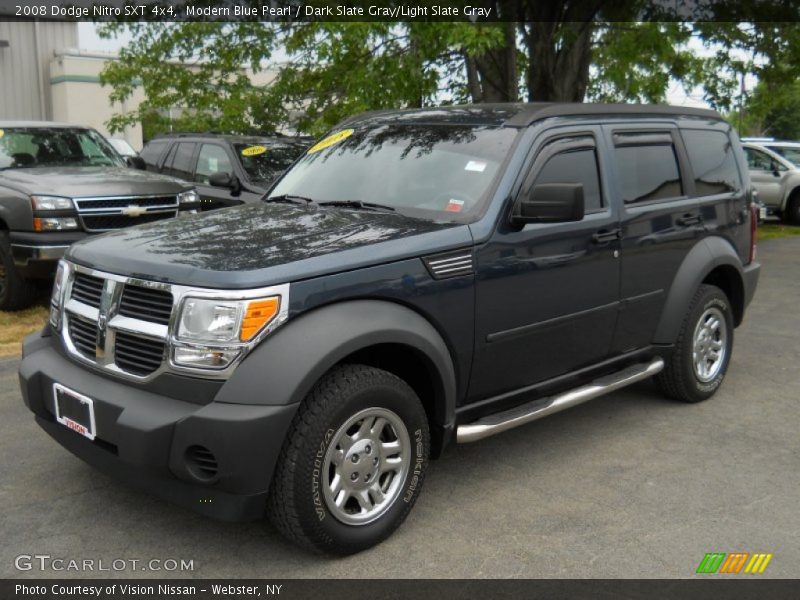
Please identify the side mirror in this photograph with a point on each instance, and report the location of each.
(136, 162)
(225, 180)
(550, 203)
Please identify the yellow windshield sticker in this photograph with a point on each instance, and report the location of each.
(254, 150)
(331, 140)
(2, 133)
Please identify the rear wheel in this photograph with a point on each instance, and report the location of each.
(353, 463)
(16, 293)
(702, 352)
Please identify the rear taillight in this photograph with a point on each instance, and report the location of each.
(753, 231)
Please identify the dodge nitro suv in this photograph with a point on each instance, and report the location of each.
(417, 278)
(59, 183)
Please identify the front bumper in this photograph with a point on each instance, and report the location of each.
(36, 255)
(143, 437)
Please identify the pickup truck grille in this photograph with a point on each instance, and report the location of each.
(109, 213)
(117, 324)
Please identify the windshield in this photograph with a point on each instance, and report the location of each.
(422, 170)
(787, 152)
(265, 161)
(30, 147)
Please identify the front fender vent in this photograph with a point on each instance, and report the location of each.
(450, 264)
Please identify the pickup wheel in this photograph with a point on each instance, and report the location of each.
(353, 462)
(792, 213)
(15, 292)
(702, 352)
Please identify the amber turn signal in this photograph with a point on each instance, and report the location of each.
(257, 315)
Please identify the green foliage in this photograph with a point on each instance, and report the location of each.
(327, 71)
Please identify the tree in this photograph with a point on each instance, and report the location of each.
(564, 50)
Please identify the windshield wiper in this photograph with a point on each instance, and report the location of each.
(358, 204)
(290, 198)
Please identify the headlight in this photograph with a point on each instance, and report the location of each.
(214, 330)
(57, 297)
(189, 197)
(54, 223)
(51, 203)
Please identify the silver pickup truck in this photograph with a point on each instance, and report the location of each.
(60, 183)
(776, 178)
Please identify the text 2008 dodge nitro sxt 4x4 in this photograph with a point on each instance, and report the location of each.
(418, 277)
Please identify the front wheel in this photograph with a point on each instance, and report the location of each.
(353, 462)
(702, 352)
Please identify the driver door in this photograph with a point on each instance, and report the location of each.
(547, 294)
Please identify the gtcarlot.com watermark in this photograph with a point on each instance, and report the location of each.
(46, 562)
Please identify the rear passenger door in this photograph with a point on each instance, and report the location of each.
(660, 221)
(547, 294)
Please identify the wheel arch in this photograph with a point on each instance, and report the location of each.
(712, 260)
(284, 368)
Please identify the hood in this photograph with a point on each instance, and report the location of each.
(77, 182)
(262, 244)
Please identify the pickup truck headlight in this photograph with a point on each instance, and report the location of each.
(57, 297)
(51, 203)
(188, 197)
(54, 223)
(213, 331)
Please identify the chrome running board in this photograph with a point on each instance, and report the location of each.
(532, 411)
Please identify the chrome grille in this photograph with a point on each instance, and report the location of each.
(146, 303)
(87, 289)
(83, 334)
(115, 212)
(138, 355)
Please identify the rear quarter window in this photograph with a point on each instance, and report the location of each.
(713, 162)
(152, 152)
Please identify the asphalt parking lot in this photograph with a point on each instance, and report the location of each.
(630, 485)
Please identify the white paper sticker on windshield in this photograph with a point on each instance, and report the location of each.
(476, 165)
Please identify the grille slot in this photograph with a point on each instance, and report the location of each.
(87, 289)
(202, 462)
(95, 203)
(146, 304)
(105, 222)
(83, 335)
(137, 355)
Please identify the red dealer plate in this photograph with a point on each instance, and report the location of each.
(74, 410)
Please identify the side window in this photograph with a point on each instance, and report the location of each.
(212, 159)
(574, 166)
(648, 167)
(712, 160)
(152, 151)
(181, 165)
(757, 160)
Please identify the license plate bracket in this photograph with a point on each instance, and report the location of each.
(75, 411)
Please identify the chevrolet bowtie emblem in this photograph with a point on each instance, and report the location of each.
(133, 211)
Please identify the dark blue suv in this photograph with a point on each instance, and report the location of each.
(416, 278)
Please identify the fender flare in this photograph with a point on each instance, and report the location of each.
(283, 369)
(708, 254)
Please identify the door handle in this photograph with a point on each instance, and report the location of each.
(689, 219)
(606, 235)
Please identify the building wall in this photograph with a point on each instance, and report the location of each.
(24, 66)
(78, 97)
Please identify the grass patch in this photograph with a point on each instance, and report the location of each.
(776, 231)
(16, 325)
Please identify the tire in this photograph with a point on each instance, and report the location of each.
(16, 293)
(302, 504)
(681, 379)
(792, 213)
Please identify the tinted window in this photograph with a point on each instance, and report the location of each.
(712, 160)
(152, 151)
(648, 172)
(576, 166)
(181, 165)
(267, 165)
(212, 159)
(757, 160)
